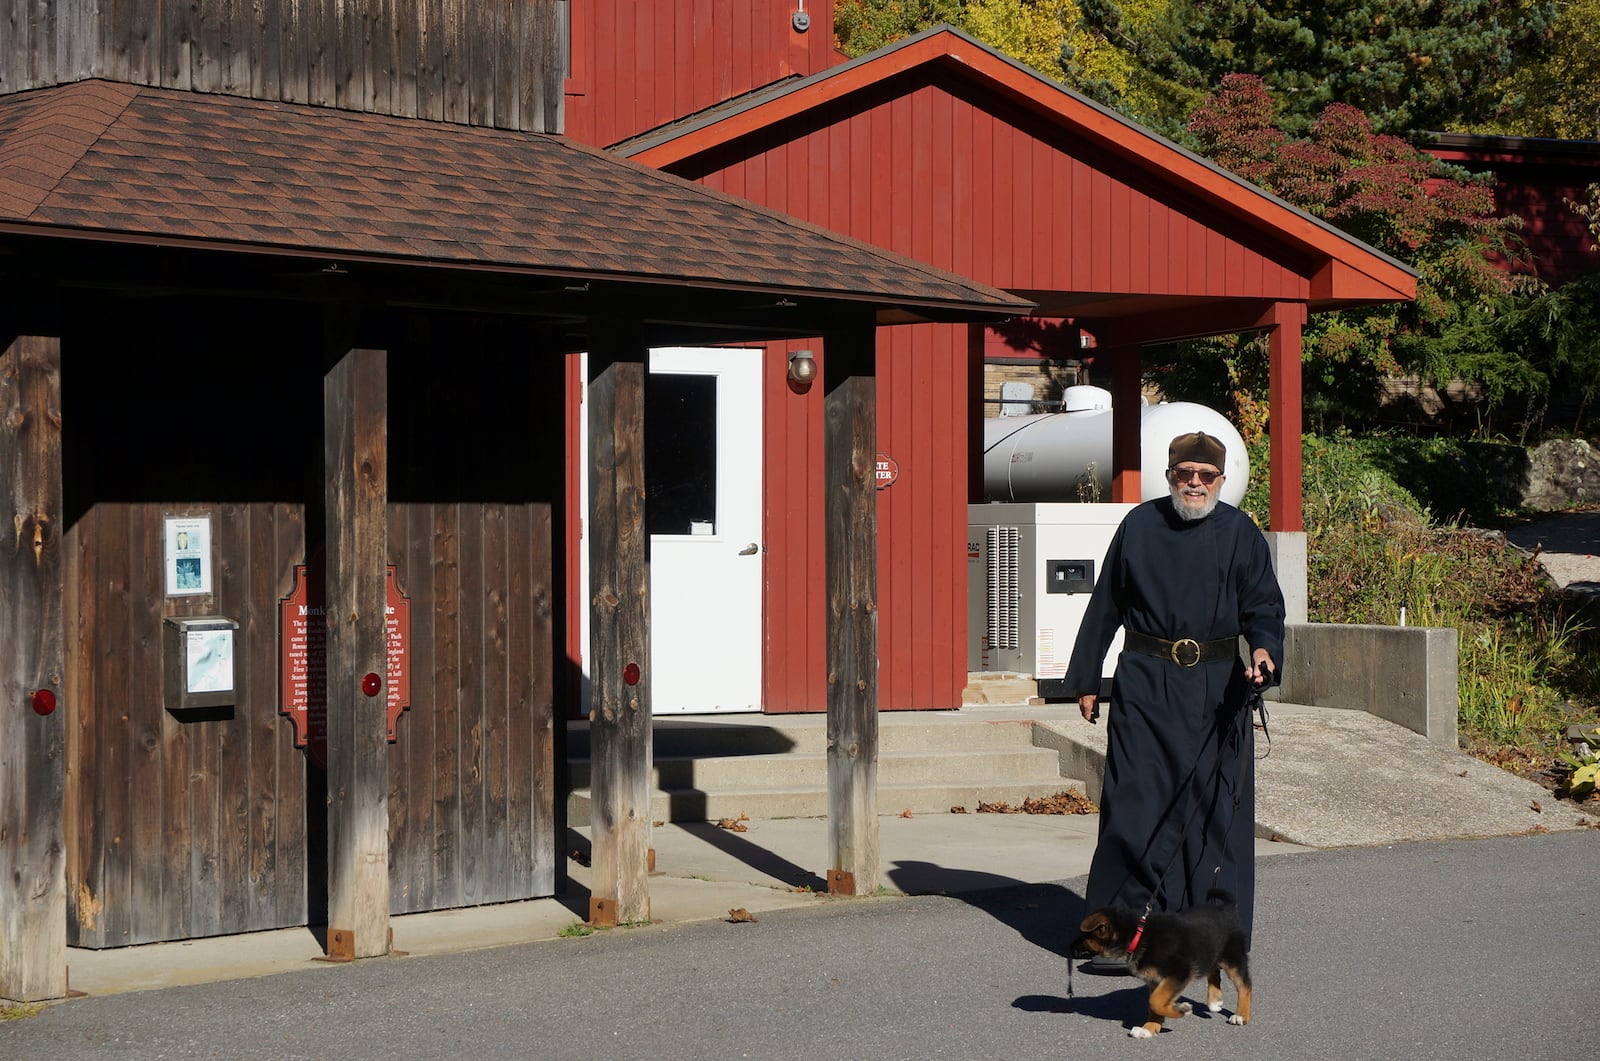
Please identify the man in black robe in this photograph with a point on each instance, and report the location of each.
(1186, 576)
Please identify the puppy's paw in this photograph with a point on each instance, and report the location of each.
(1139, 1031)
(1183, 1007)
(1215, 1007)
(1237, 1020)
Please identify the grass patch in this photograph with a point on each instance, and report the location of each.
(20, 1010)
(1396, 524)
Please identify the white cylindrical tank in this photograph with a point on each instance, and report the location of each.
(1066, 456)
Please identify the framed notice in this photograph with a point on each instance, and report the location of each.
(188, 555)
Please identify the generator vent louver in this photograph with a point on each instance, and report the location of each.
(1004, 594)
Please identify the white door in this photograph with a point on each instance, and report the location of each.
(703, 464)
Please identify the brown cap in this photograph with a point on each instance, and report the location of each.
(1199, 447)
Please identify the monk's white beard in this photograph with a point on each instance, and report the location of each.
(1187, 513)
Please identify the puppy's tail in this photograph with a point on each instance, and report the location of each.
(1221, 899)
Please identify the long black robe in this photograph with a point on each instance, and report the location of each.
(1179, 795)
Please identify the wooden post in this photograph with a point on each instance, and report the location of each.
(33, 880)
(355, 419)
(619, 633)
(849, 474)
(1126, 417)
(1284, 511)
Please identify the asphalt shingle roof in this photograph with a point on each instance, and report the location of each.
(135, 161)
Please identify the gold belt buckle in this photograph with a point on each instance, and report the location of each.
(1190, 649)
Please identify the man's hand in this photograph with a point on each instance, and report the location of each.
(1089, 704)
(1261, 670)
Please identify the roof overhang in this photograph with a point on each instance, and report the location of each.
(1346, 272)
(148, 175)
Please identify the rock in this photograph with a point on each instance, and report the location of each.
(1562, 474)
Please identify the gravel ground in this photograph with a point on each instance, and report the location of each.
(1569, 546)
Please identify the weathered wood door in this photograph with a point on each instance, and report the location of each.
(191, 823)
(471, 770)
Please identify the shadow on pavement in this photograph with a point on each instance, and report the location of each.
(1046, 915)
(755, 856)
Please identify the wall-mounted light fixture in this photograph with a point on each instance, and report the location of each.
(802, 370)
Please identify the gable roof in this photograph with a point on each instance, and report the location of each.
(1346, 271)
(130, 163)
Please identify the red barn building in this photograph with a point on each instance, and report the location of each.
(1534, 179)
(941, 149)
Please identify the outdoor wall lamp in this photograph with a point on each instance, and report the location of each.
(802, 370)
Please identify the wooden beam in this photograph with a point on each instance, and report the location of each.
(849, 470)
(1284, 388)
(1126, 418)
(33, 883)
(355, 417)
(619, 632)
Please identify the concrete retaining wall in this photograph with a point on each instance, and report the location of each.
(1405, 674)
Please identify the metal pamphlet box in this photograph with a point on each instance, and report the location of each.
(198, 661)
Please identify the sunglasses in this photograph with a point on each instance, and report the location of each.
(1183, 475)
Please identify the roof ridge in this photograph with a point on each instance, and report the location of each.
(42, 138)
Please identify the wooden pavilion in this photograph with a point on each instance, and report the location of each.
(288, 297)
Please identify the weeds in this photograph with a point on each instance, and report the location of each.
(1527, 667)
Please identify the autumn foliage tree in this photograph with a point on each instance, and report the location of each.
(1401, 201)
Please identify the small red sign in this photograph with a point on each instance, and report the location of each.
(303, 656)
(888, 470)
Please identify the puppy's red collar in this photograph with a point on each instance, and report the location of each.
(1138, 932)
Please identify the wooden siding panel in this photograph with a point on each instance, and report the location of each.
(472, 768)
(412, 884)
(437, 58)
(191, 825)
(962, 218)
(542, 657)
(446, 709)
(514, 790)
(496, 683)
(470, 692)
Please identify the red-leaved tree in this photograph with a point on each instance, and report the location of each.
(1379, 189)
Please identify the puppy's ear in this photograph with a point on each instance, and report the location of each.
(1097, 926)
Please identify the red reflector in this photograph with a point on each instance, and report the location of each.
(630, 674)
(44, 701)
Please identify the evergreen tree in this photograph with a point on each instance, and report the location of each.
(1428, 64)
(1560, 97)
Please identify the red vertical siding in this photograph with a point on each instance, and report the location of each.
(645, 63)
(796, 597)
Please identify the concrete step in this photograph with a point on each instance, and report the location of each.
(706, 768)
(721, 773)
(732, 735)
(812, 802)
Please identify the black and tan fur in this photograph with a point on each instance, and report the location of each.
(1174, 950)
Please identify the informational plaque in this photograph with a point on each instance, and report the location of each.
(303, 656)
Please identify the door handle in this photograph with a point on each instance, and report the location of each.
(750, 550)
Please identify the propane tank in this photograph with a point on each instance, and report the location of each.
(1066, 456)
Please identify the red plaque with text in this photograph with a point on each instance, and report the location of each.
(303, 656)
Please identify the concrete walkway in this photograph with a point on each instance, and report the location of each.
(1332, 778)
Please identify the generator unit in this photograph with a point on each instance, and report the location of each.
(1030, 569)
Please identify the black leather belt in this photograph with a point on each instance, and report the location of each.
(1185, 652)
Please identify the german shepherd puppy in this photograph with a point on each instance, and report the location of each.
(1172, 951)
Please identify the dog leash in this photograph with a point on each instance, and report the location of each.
(1254, 705)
